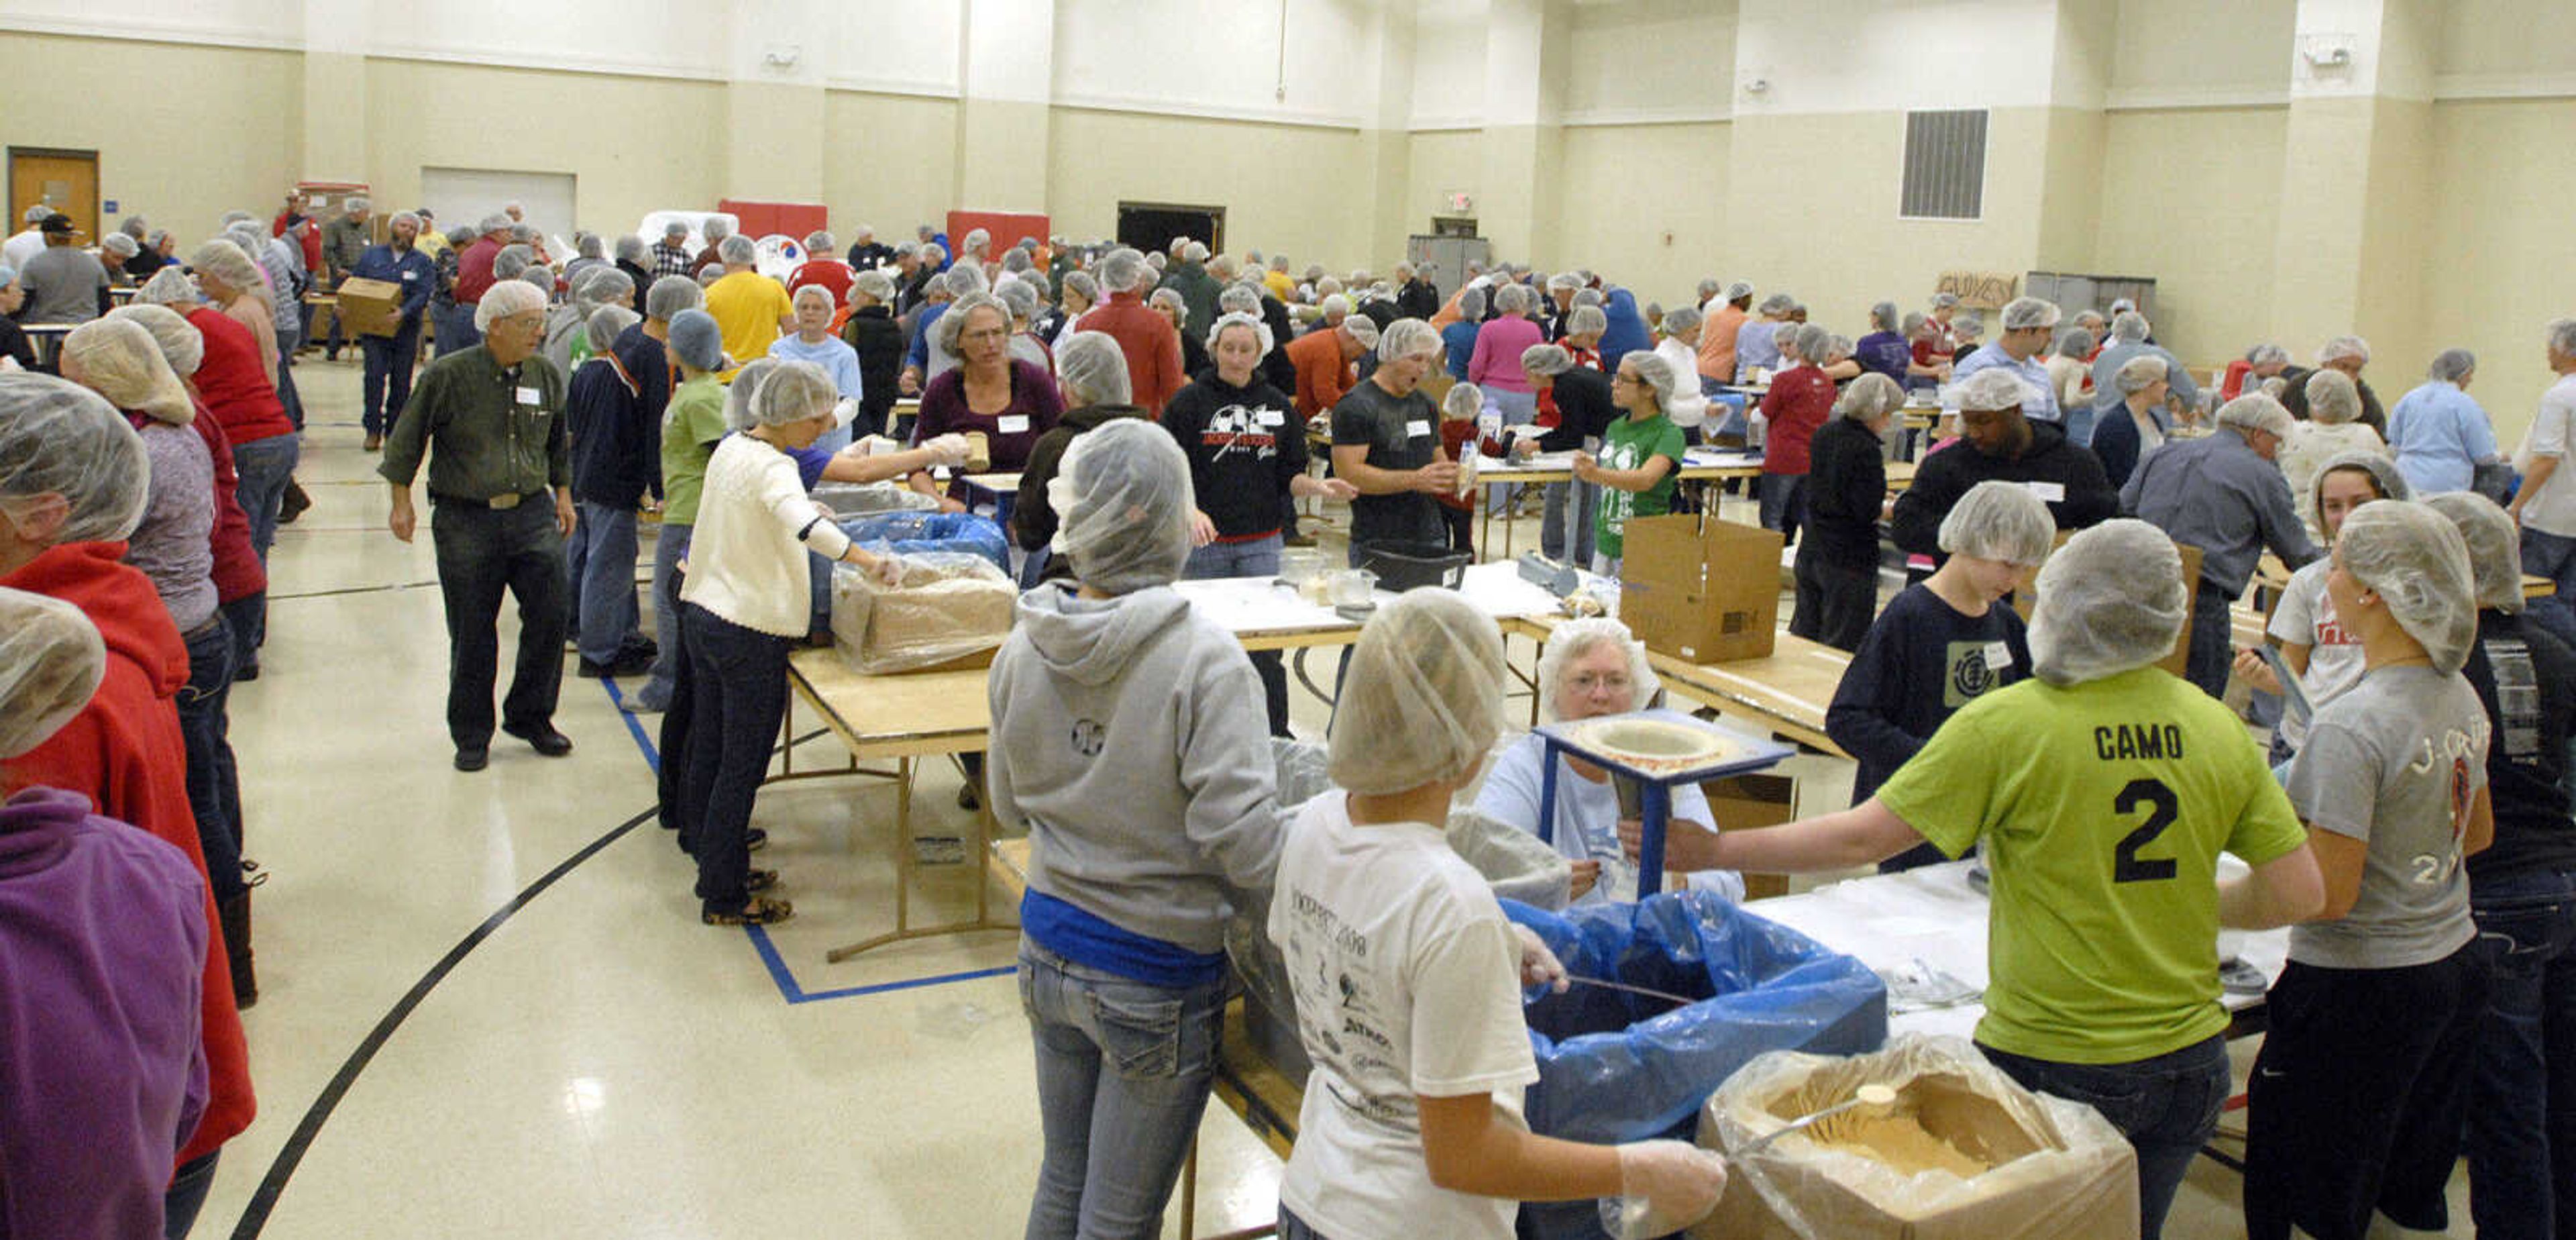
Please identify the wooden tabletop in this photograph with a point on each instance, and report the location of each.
(905, 716)
(2271, 572)
(1900, 475)
(1786, 691)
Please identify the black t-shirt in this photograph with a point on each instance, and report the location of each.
(1244, 445)
(1846, 486)
(1401, 432)
(1919, 664)
(2085, 498)
(2526, 678)
(1584, 411)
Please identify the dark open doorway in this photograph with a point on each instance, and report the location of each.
(1150, 226)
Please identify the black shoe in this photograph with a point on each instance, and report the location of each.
(293, 503)
(544, 739)
(246, 674)
(754, 839)
(627, 663)
(473, 757)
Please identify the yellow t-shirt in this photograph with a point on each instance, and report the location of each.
(1279, 284)
(746, 306)
(2102, 808)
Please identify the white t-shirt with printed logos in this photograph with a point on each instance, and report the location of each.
(2552, 509)
(1407, 979)
(2306, 617)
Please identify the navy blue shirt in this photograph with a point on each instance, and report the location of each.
(1919, 664)
(416, 272)
(616, 450)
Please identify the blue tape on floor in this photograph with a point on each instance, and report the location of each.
(770, 959)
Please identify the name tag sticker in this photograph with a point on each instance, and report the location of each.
(1998, 656)
(528, 396)
(1014, 424)
(1271, 417)
(1416, 429)
(2048, 492)
(411, 275)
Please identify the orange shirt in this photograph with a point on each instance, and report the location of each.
(1322, 376)
(1717, 343)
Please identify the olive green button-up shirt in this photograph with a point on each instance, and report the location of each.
(497, 432)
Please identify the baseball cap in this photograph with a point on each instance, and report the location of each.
(59, 223)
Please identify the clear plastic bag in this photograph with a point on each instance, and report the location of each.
(947, 611)
(1964, 1152)
(862, 499)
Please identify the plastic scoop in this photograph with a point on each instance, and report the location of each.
(1873, 1096)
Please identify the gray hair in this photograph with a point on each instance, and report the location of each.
(2129, 328)
(2562, 337)
(1870, 397)
(630, 248)
(2452, 366)
(2342, 347)
(2267, 354)
(818, 241)
(2140, 373)
(952, 323)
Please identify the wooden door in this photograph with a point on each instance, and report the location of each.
(67, 181)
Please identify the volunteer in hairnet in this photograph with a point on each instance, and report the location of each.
(2222, 494)
(105, 933)
(2028, 324)
(2353, 1113)
(1408, 977)
(2001, 445)
(2522, 891)
(1591, 668)
(1126, 742)
(2101, 793)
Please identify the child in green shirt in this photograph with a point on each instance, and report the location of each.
(1641, 456)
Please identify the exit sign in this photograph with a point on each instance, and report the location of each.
(108, 206)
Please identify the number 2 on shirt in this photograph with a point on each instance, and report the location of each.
(2158, 800)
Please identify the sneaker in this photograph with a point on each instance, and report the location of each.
(293, 504)
(375, 443)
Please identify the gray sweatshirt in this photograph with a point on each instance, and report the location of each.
(1128, 738)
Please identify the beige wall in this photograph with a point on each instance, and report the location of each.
(889, 161)
(2191, 198)
(1443, 162)
(1627, 186)
(632, 144)
(1284, 187)
(169, 131)
(2500, 249)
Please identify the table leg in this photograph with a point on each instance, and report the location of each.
(1657, 802)
(906, 867)
(1547, 795)
(1190, 1193)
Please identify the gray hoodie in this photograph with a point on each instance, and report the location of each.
(1128, 737)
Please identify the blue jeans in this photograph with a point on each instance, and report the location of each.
(265, 467)
(287, 342)
(1123, 1071)
(1292, 1227)
(599, 561)
(1783, 499)
(186, 1196)
(1565, 529)
(2213, 641)
(668, 550)
(210, 755)
(2549, 555)
(1258, 558)
(456, 330)
(2166, 1106)
(2522, 1094)
(386, 388)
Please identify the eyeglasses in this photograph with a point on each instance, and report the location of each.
(1596, 682)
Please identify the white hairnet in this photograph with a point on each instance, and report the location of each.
(1968, 327)
(717, 230)
(2129, 328)
(818, 241)
(1402, 338)
(606, 324)
(1815, 344)
(2332, 398)
(1563, 280)
(2342, 347)
(1422, 699)
(513, 261)
(169, 286)
(1237, 318)
(119, 244)
(2494, 543)
(965, 280)
(1586, 321)
(1656, 374)
(1092, 370)
(737, 251)
(59, 438)
(2452, 366)
(1586, 297)
(1335, 307)
(672, 294)
(1362, 329)
(2075, 342)
(629, 248)
(2383, 475)
(1778, 304)
(2140, 373)
(2003, 521)
(1015, 295)
(1870, 397)
(2257, 413)
(506, 298)
(119, 360)
(1238, 299)
(673, 230)
(1943, 301)
(1992, 388)
(588, 245)
(602, 285)
(228, 263)
(2267, 354)
(2110, 600)
(788, 392)
(1170, 299)
(819, 292)
(2418, 565)
(2025, 312)
(1547, 359)
(1738, 291)
(1574, 639)
(1124, 502)
(695, 339)
(876, 284)
(1471, 304)
(51, 663)
(181, 344)
(1463, 400)
(1120, 270)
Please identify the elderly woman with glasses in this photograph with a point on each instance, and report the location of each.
(1008, 401)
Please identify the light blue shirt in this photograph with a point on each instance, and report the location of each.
(1586, 825)
(2439, 434)
(2040, 404)
(1757, 344)
(838, 360)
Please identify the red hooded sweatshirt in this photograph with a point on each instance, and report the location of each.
(238, 573)
(123, 751)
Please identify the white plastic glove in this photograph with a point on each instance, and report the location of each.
(1539, 966)
(1664, 1186)
(950, 450)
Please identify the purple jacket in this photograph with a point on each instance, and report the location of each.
(102, 1070)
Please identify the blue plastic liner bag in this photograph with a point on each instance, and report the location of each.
(914, 533)
(1616, 1066)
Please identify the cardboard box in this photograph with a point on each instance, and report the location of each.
(2013, 1165)
(370, 307)
(1705, 592)
(944, 617)
(1744, 802)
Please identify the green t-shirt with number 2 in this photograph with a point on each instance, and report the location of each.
(2102, 808)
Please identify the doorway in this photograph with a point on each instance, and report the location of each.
(67, 181)
(1150, 226)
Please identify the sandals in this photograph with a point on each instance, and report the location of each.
(758, 881)
(759, 911)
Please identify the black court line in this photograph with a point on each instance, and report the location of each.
(407, 585)
(254, 1217)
